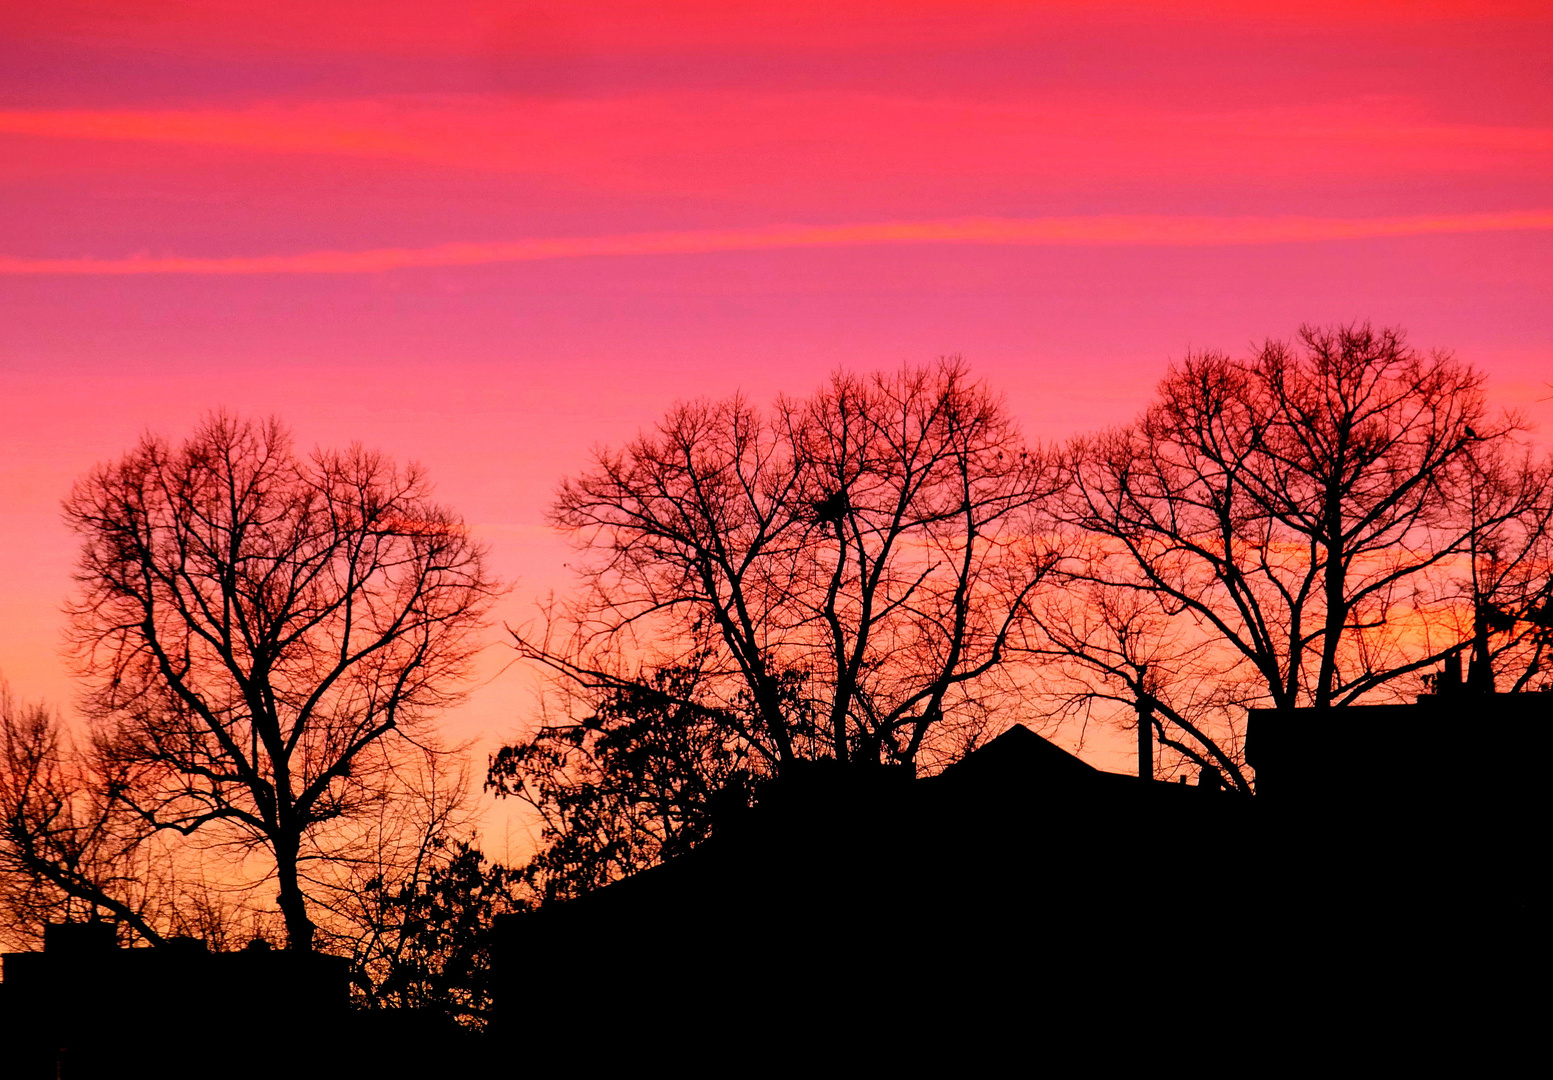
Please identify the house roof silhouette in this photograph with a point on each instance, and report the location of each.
(1071, 889)
(1020, 756)
(867, 884)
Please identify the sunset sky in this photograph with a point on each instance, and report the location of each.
(489, 236)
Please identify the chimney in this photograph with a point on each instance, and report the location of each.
(1449, 680)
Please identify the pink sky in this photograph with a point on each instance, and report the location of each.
(489, 236)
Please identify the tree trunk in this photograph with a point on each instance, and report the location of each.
(1333, 582)
(293, 905)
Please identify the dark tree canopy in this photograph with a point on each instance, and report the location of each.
(433, 951)
(639, 778)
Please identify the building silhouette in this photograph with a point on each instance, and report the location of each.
(854, 909)
(1383, 886)
(1386, 885)
(85, 1008)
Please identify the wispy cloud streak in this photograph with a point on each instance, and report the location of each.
(1092, 231)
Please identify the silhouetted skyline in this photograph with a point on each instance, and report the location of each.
(495, 239)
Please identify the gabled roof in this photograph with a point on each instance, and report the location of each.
(1019, 757)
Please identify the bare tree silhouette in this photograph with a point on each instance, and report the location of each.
(266, 637)
(69, 849)
(1309, 513)
(1510, 620)
(836, 579)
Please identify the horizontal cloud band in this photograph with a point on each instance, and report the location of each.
(1100, 230)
